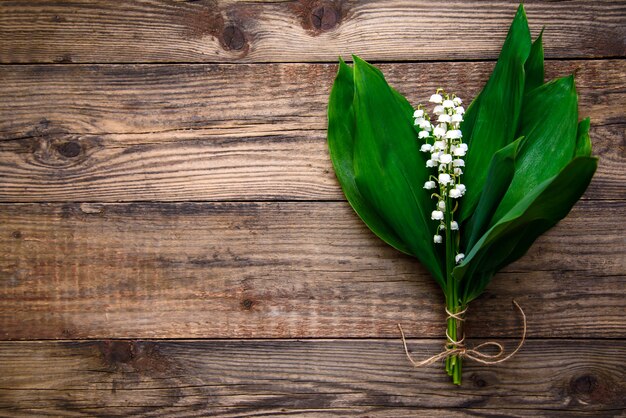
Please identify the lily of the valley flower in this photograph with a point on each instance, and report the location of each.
(436, 98)
(437, 215)
(444, 142)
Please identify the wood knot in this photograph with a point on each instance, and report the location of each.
(584, 385)
(478, 381)
(233, 38)
(247, 304)
(117, 352)
(69, 149)
(324, 17)
(16, 234)
(318, 16)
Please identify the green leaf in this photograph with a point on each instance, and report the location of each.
(534, 65)
(376, 157)
(341, 127)
(583, 142)
(499, 176)
(549, 123)
(495, 121)
(389, 169)
(511, 237)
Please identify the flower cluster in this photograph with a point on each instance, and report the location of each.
(443, 140)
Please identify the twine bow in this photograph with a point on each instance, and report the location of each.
(458, 348)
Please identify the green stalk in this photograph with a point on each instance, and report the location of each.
(453, 363)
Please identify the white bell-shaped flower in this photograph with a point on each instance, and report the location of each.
(457, 101)
(460, 187)
(436, 215)
(443, 118)
(459, 152)
(457, 171)
(419, 113)
(437, 239)
(459, 257)
(436, 98)
(445, 159)
(426, 147)
(441, 204)
(454, 193)
(439, 132)
(456, 118)
(438, 110)
(439, 145)
(454, 226)
(426, 125)
(429, 185)
(459, 110)
(448, 104)
(431, 163)
(444, 178)
(458, 163)
(454, 134)
(423, 134)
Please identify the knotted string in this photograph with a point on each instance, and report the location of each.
(457, 348)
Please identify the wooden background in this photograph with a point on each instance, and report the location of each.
(173, 240)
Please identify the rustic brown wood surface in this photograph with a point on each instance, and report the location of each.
(287, 377)
(226, 132)
(297, 31)
(170, 223)
(289, 269)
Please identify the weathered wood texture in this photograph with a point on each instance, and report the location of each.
(202, 270)
(288, 377)
(226, 132)
(152, 190)
(307, 30)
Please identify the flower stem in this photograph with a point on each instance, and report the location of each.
(453, 363)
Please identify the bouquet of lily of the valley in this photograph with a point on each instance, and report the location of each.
(466, 192)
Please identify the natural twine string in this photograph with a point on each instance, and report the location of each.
(457, 348)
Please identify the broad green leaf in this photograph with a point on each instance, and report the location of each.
(341, 127)
(548, 121)
(534, 65)
(389, 170)
(469, 118)
(513, 234)
(376, 157)
(499, 176)
(497, 112)
(583, 142)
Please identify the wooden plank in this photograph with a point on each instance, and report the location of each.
(225, 132)
(288, 377)
(305, 31)
(278, 270)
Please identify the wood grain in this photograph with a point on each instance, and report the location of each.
(304, 31)
(316, 377)
(226, 132)
(296, 269)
